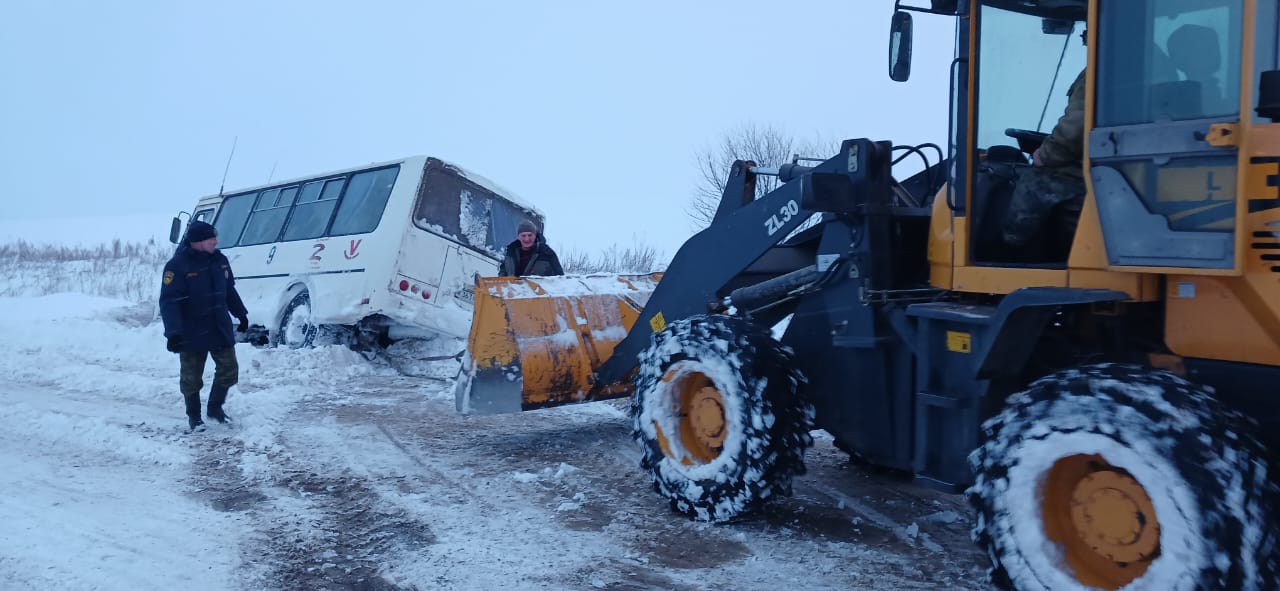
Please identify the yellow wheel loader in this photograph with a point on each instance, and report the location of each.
(1103, 387)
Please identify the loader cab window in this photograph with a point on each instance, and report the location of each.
(1024, 73)
(1169, 60)
(1026, 64)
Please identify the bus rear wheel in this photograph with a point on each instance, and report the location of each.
(296, 327)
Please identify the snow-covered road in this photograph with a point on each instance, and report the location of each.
(344, 473)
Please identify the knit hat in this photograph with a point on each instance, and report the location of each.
(200, 231)
(526, 226)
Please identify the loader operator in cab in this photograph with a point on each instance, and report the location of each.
(529, 254)
(1047, 197)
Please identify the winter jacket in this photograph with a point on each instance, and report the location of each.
(198, 298)
(1064, 148)
(544, 262)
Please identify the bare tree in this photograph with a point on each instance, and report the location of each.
(763, 144)
(637, 258)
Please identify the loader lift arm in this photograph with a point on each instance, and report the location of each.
(738, 237)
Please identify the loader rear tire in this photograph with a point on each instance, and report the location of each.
(1116, 476)
(718, 416)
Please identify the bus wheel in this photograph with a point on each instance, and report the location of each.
(296, 329)
(718, 417)
(1116, 476)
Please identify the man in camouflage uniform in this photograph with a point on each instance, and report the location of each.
(1052, 189)
(197, 300)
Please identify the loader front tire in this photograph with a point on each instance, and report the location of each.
(1116, 476)
(718, 418)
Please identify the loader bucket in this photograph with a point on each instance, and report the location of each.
(536, 341)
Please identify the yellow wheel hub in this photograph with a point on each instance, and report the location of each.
(1104, 520)
(700, 423)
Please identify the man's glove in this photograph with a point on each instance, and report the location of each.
(244, 323)
(175, 344)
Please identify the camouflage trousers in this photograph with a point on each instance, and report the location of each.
(226, 372)
(1045, 207)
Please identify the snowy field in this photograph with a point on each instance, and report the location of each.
(344, 473)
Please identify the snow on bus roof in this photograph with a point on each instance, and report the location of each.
(465, 172)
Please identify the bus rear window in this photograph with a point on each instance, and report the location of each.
(506, 217)
(454, 206)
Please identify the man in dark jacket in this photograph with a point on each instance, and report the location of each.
(197, 300)
(529, 254)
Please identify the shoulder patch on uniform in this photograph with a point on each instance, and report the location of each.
(168, 277)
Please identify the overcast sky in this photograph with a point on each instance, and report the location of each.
(594, 111)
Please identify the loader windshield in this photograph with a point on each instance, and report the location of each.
(1023, 73)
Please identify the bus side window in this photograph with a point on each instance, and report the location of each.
(362, 204)
(268, 216)
(231, 218)
(315, 206)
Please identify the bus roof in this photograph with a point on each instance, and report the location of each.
(468, 174)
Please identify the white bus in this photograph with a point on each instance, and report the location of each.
(370, 254)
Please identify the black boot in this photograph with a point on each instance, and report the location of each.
(193, 413)
(216, 397)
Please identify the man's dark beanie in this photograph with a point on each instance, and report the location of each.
(200, 231)
(526, 226)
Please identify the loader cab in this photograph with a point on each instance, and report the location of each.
(1165, 72)
(1166, 188)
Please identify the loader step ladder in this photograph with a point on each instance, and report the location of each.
(947, 409)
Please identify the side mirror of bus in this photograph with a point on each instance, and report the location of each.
(900, 47)
(174, 229)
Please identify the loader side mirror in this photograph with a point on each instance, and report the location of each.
(900, 47)
(174, 229)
